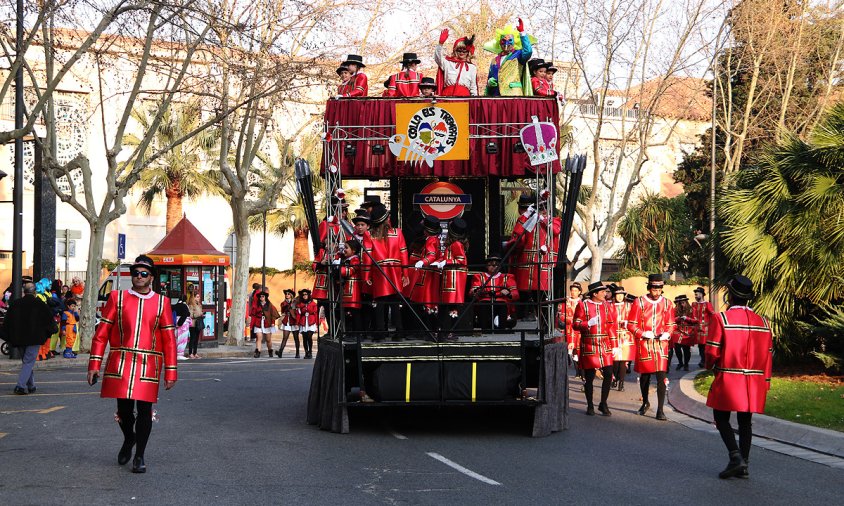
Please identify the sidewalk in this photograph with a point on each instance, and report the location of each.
(687, 401)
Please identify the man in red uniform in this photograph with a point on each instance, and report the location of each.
(350, 274)
(567, 317)
(426, 286)
(361, 222)
(406, 82)
(357, 85)
(740, 352)
(702, 313)
(626, 345)
(651, 321)
(388, 252)
(494, 291)
(596, 321)
(684, 331)
(137, 324)
(453, 281)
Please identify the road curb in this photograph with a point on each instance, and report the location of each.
(689, 402)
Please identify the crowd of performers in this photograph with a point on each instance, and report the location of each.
(513, 71)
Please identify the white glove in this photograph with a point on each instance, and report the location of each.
(665, 336)
(648, 335)
(336, 261)
(530, 210)
(593, 321)
(419, 264)
(439, 264)
(338, 97)
(530, 223)
(616, 352)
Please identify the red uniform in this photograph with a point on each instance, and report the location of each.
(287, 320)
(454, 274)
(626, 343)
(404, 84)
(740, 351)
(366, 244)
(350, 273)
(426, 288)
(320, 290)
(684, 332)
(139, 332)
(540, 87)
(530, 275)
(356, 86)
(491, 287)
(572, 334)
(307, 315)
(702, 313)
(656, 316)
(391, 254)
(596, 341)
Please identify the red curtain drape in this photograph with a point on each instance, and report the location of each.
(375, 117)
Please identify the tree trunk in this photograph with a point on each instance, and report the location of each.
(301, 252)
(240, 277)
(174, 210)
(88, 311)
(597, 264)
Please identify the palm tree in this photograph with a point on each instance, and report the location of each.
(177, 175)
(653, 231)
(784, 229)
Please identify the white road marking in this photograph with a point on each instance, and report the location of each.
(397, 435)
(459, 468)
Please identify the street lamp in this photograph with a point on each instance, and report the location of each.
(292, 218)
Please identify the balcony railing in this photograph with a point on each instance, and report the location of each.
(610, 112)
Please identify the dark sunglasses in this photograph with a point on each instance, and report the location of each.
(141, 274)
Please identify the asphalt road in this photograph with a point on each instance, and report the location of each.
(233, 432)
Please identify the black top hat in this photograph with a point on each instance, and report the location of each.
(741, 287)
(493, 257)
(431, 225)
(597, 286)
(354, 59)
(535, 64)
(526, 199)
(379, 214)
(629, 298)
(288, 290)
(341, 202)
(576, 285)
(428, 82)
(681, 298)
(304, 291)
(655, 280)
(458, 228)
(371, 200)
(361, 216)
(618, 289)
(409, 58)
(342, 68)
(551, 68)
(700, 289)
(143, 261)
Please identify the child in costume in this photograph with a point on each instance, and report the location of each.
(539, 79)
(357, 85)
(428, 87)
(345, 75)
(507, 75)
(457, 75)
(406, 82)
(67, 329)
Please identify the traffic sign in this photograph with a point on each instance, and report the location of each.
(121, 246)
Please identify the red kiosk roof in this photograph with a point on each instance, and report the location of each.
(185, 245)
(365, 122)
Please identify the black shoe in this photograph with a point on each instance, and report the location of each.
(604, 409)
(278, 353)
(20, 391)
(686, 367)
(644, 408)
(138, 465)
(679, 366)
(308, 355)
(620, 386)
(745, 473)
(590, 411)
(256, 354)
(701, 365)
(614, 384)
(270, 353)
(31, 389)
(735, 467)
(661, 416)
(297, 355)
(125, 453)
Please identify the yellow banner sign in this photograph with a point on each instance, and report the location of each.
(426, 132)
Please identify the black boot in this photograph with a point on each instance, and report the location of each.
(270, 352)
(138, 465)
(590, 410)
(604, 409)
(644, 408)
(735, 467)
(745, 474)
(621, 386)
(125, 453)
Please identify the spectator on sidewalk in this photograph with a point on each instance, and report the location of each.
(181, 316)
(197, 325)
(29, 323)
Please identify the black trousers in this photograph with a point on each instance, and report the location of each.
(619, 370)
(645, 383)
(701, 349)
(605, 385)
(387, 308)
(134, 428)
(684, 353)
(486, 313)
(353, 320)
(193, 340)
(308, 341)
(745, 430)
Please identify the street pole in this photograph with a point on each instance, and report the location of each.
(66, 255)
(264, 257)
(712, 295)
(17, 193)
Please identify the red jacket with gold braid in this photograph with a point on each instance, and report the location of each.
(139, 332)
(566, 317)
(454, 274)
(320, 290)
(350, 273)
(491, 286)
(702, 314)
(656, 316)
(684, 331)
(390, 253)
(530, 275)
(740, 351)
(308, 315)
(426, 288)
(541, 87)
(404, 84)
(596, 341)
(626, 343)
(356, 86)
